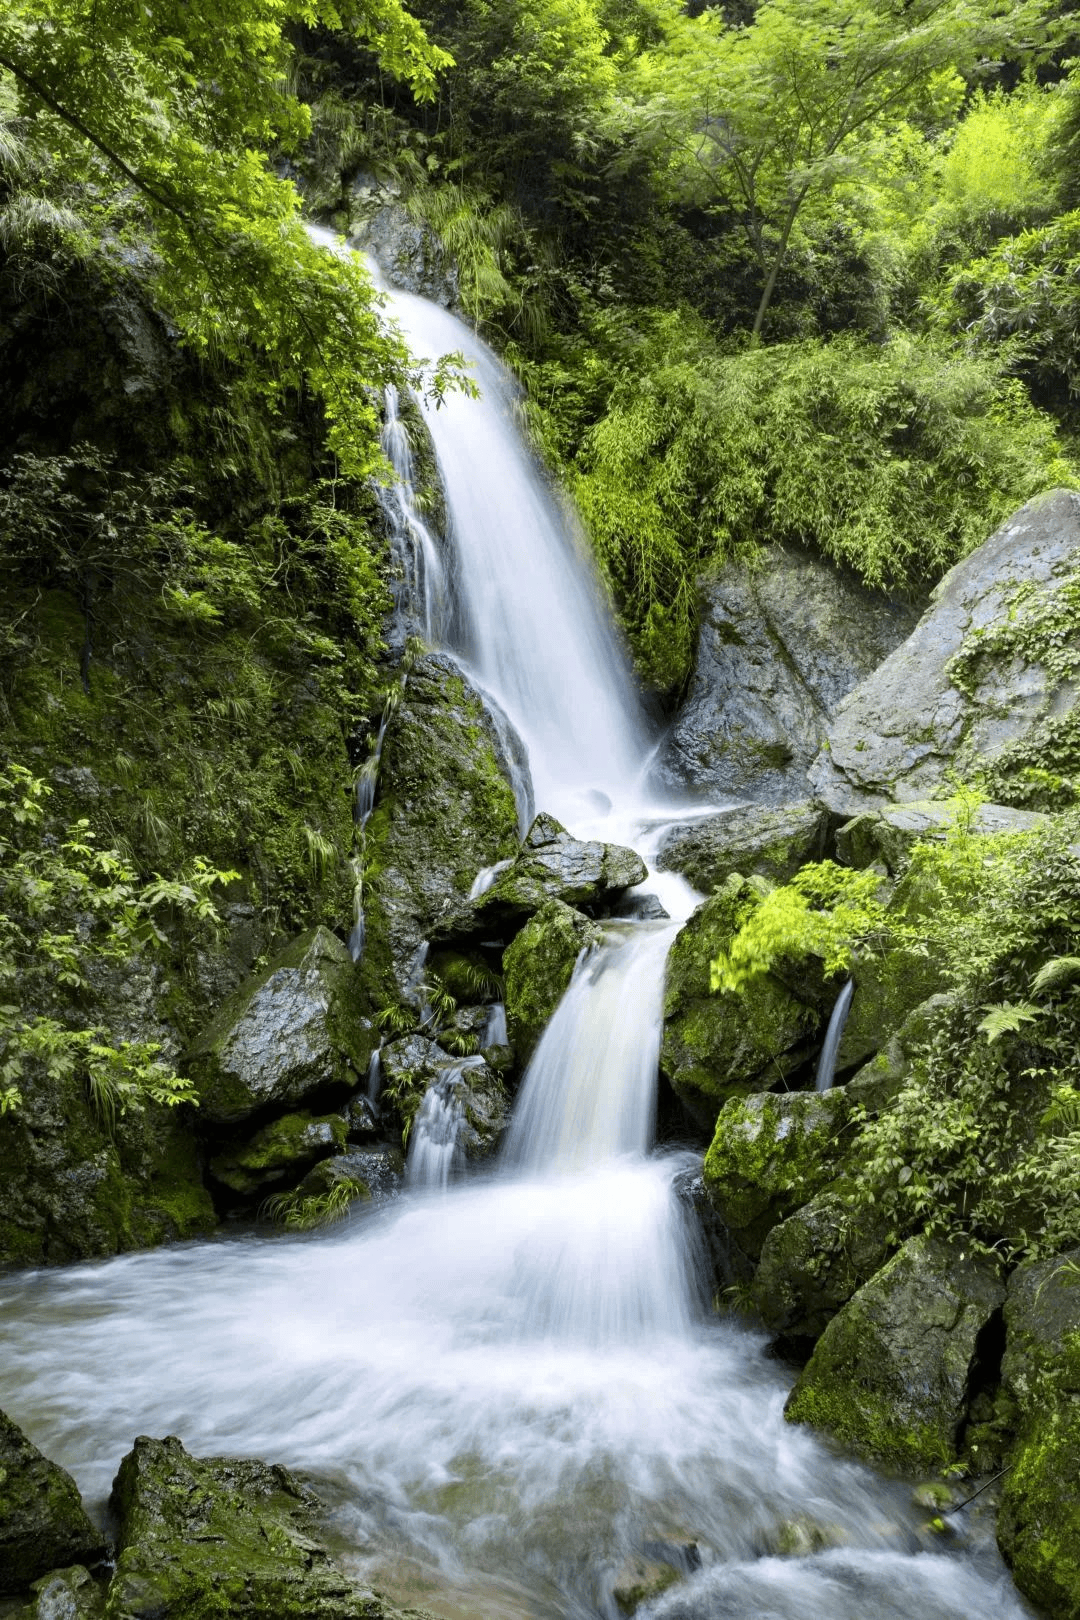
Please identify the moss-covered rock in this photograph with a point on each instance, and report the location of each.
(717, 1046)
(444, 809)
(376, 1171)
(538, 966)
(812, 1263)
(223, 1538)
(771, 1153)
(293, 1029)
(891, 982)
(1039, 1520)
(66, 1594)
(889, 1376)
(43, 1524)
(281, 1149)
(70, 1188)
(551, 865)
(881, 1079)
(750, 839)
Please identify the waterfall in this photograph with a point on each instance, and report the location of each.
(831, 1045)
(511, 1384)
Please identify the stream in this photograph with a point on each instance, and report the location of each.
(509, 1385)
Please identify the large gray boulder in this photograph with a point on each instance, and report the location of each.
(444, 809)
(552, 865)
(226, 1536)
(812, 1263)
(749, 839)
(291, 1030)
(886, 837)
(889, 1376)
(781, 643)
(949, 699)
(43, 1524)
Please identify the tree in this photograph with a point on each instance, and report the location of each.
(772, 116)
(164, 114)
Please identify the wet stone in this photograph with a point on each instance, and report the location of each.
(43, 1524)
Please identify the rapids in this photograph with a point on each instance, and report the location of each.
(506, 1385)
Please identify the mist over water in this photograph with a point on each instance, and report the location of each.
(506, 1385)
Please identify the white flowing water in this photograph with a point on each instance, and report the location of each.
(830, 1046)
(506, 1386)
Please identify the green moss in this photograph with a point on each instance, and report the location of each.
(1039, 1518)
(771, 1153)
(538, 966)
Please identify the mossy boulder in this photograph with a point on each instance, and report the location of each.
(886, 837)
(720, 1045)
(889, 1376)
(293, 1029)
(70, 1189)
(880, 1080)
(444, 809)
(376, 1171)
(66, 1594)
(771, 1153)
(551, 865)
(538, 966)
(812, 1263)
(43, 1524)
(893, 980)
(281, 1149)
(749, 839)
(951, 700)
(231, 1538)
(1038, 1524)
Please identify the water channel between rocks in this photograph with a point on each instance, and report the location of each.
(511, 1385)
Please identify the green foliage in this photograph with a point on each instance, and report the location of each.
(825, 911)
(983, 1141)
(771, 117)
(1023, 299)
(300, 1212)
(69, 908)
(895, 460)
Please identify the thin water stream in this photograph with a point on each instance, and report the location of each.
(508, 1385)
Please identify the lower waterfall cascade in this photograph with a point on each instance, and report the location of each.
(507, 1384)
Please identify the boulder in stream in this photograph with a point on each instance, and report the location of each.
(66, 1594)
(552, 865)
(780, 645)
(538, 966)
(718, 1045)
(748, 839)
(230, 1537)
(977, 686)
(291, 1030)
(771, 1153)
(890, 1375)
(281, 1149)
(43, 1524)
(812, 1263)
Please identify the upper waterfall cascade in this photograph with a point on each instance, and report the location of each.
(511, 1384)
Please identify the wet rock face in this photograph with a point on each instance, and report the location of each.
(551, 865)
(66, 1594)
(43, 1525)
(717, 1046)
(889, 1376)
(409, 253)
(772, 843)
(444, 809)
(283, 1148)
(1038, 1524)
(291, 1030)
(223, 1536)
(812, 1263)
(538, 966)
(771, 1153)
(899, 733)
(779, 647)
